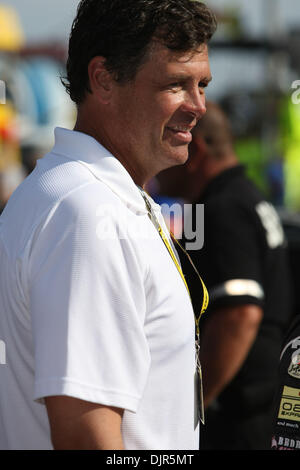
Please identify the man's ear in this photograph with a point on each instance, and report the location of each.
(101, 81)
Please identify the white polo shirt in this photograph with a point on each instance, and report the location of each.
(91, 304)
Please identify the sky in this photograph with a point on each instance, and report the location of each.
(259, 16)
(44, 20)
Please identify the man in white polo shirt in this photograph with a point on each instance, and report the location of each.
(95, 315)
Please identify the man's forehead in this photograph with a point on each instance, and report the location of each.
(158, 51)
(163, 62)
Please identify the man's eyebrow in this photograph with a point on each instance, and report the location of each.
(185, 76)
(178, 76)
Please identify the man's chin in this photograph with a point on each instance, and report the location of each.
(179, 157)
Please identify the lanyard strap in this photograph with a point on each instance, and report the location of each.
(204, 289)
(156, 223)
(164, 238)
(173, 256)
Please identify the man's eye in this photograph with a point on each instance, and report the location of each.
(202, 84)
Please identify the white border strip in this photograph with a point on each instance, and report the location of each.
(237, 287)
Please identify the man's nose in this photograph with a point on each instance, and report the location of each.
(195, 103)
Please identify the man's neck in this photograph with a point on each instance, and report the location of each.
(102, 137)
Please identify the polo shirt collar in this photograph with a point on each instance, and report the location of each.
(86, 150)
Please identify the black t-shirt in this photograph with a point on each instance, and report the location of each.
(244, 260)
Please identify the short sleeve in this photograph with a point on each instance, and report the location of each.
(88, 307)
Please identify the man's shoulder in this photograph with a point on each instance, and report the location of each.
(92, 198)
(56, 193)
(243, 206)
(239, 196)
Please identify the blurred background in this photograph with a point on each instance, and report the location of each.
(255, 61)
(255, 64)
(33, 48)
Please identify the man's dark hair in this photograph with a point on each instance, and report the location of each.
(121, 32)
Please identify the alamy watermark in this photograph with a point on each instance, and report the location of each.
(184, 220)
(192, 226)
(2, 353)
(2, 92)
(296, 94)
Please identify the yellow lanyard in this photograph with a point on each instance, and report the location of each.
(204, 289)
(172, 254)
(204, 301)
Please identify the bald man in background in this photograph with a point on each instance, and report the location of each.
(244, 266)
